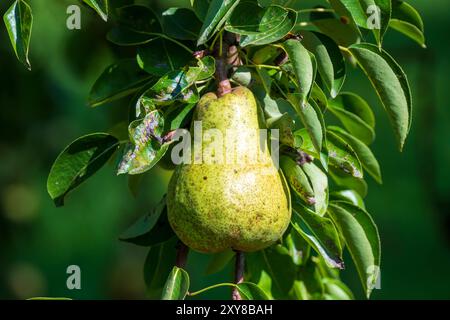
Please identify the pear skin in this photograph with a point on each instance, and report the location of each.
(216, 205)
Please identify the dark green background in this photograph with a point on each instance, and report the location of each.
(43, 110)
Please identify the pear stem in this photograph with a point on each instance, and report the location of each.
(182, 253)
(226, 54)
(238, 274)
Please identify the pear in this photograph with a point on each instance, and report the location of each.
(217, 204)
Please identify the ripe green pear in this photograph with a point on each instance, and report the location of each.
(214, 205)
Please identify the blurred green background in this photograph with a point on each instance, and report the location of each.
(43, 110)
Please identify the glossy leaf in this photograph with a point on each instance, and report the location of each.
(350, 196)
(330, 62)
(79, 161)
(176, 116)
(100, 6)
(319, 183)
(251, 291)
(273, 270)
(320, 233)
(177, 285)
(310, 119)
(297, 180)
(364, 154)
(355, 114)
(304, 66)
(346, 181)
(19, 21)
(259, 26)
(123, 36)
(298, 248)
(218, 12)
(146, 147)
(343, 34)
(342, 156)
(117, 81)
(161, 56)
(407, 20)
(362, 240)
(368, 14)
(391, 85)
(179, 85)
(181, 23)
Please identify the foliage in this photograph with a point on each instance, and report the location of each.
(325, 165)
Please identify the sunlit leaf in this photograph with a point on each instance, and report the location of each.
(259, 26)
(117, 81)
(80, 160)
(391, 85)
(361, 239)
(218, 12)
(177, 285)
(19, 21)
(320, 233)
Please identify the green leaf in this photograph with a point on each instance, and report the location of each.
(161, 56)
(181, 23)
(319, 98)
(361, 239)
(407, 20)
(259, 26)
(117, 81)
(308, 285)
(218, 12)
(251, 291)
(297, 180)
(304, 68)
(319, 183)
(177, 285)
(391, 85)
(80, 160)
(310, 119)
(350, 196)
(320, 233)
(364, 154)
(138, 18)
(200, 8)
(123, 36)
(219, 261)
(355, 114)
(100, 6)
(160, 259)
(273, 270)
(342, 156)
(146, 147)
(330, 62)
(368, 14)
(19, 22)
(346, 181)
(336, 290)
(179, 85)
(341, 33)
(298, 248)
(151, 229)
(176, 116)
